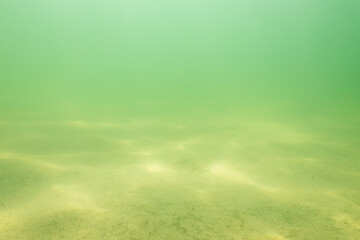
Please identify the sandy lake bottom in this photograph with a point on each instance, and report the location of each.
(223, 178)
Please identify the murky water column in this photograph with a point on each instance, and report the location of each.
(153, 119)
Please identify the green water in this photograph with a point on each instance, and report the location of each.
(179, 119)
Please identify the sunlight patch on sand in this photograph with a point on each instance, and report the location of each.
(77, 124)
(346, 219)
(228, 173)
(84, 124)
(308, 159)
(74, 198)
(280, 132)
(202, 195)
(8, 219)
(180, 146)
(331, 193)
(5, 123)
(145, 153)
(157, 168)
(275, 237)
(31, 160)
(124, 142)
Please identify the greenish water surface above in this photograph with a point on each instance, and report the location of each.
(180, 119)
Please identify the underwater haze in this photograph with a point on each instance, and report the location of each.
(180, 119)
